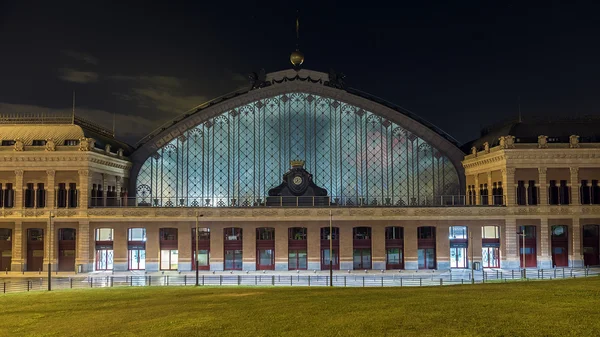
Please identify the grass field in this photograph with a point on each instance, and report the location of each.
(546, 308)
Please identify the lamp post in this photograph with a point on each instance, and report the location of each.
(50, 238)
(472, 258)
(522, 234)
(196, 251)
(330, 249)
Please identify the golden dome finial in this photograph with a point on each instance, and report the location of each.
(297, 57)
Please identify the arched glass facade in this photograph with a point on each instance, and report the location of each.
(235, 158)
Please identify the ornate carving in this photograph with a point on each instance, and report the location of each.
(83, 173)
(19, 173)
(574, 170)
(507, 142)
(51, 173)
(258, 79)
(107, 148)
(336, 80)
(120, 152)
(486, 147)
(86, 144)
(50, 145)
(474, 151)
(574, 141)
(264, 212)
(542, 170)
(18, 145)
(542, 142)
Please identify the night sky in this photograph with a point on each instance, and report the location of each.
(460, 66)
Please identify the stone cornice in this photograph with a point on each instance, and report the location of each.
(54, 157)
(302, 214)
(493, 158)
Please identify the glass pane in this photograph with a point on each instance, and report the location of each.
(366, 258)
(104, 234)
(302, 261)
(292, 260)
(137, 234)
(357, 259)
(229, 259)
(265, 257)
(430, 258)
(164, 259)
(237, 263)
(174, 259)
(393, 256)
(421, 258)
(203, 257)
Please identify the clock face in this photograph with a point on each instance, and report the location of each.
(558, 230)
(297, 180)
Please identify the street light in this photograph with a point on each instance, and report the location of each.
(522, 234)
(472, 258)
(330, 249)
(196, 251)
(50, 217)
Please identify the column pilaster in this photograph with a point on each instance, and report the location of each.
(217, 236)
(152, 248)
(83, 255)
(475, 232)
(575, 258)
(314, 246)
(16, 263)
(85, 183)
(378, 246)
(575, 200)
(545, 257)
(18, 189)
(346, 247)
(249, 248)
(117, 192)
(50, 188)
(442, 246)
(543, 186)
(490, 189)
(184, 247)
(477, 193)
(104, 189)
(511, 257)
(281, 247)
(411, 259)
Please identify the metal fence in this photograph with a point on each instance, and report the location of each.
(10, 285)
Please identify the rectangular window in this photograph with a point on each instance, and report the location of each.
(5, 234)
(490, 232)
(8, 142)
(458, 232)
(38, 142)
(233, 260)
(104, 234)
(137, 234)
(393, 233)
(203, 257)
(71, 142)
(394, 256)
(426, 232)
(169, 259)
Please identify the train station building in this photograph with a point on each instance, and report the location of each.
(290, 172)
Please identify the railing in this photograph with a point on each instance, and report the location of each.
(286, 201)
(371, 278)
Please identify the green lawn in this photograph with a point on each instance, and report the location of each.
(547, 308)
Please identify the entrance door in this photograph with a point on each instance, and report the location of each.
(560, 246)
(426, 258)
(104, 259)
(362, 258)
(458, 257)
(35, 249)
(137, 259)
(530, 249)
(591, 245)
(491, 257)
(66, 249)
